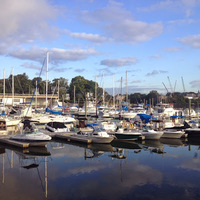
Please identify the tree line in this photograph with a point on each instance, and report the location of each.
(84, 88)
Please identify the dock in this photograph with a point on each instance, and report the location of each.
(14, 143)
(76, 138)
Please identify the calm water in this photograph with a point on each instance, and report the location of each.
(166, 169)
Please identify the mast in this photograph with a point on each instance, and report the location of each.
(47, 77)
(58, 89)
(126, 88)
(121, 97)
(74, 94)
(4, 87)
(103, 91)
(12, 86)
(96, 94)
(114, 90)
(36, 95)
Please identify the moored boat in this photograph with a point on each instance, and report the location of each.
(31, 135)
(173, 133)
(122, 134)
(57, 127)
(151, 134)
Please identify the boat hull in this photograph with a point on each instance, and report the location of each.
(127, 136)
(102, 140)
(173, 134)
(34, 138)
(193, 132)
(32, 143)
(152, 136)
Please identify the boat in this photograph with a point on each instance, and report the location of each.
(99, 135)
(151, 134)
(3, 127)
(57, 127)
(9, 124)
(173, 133)
(128, 114)
(193, 132)
(122, 134)
(43, 119)
(30, 134)
(108, 126)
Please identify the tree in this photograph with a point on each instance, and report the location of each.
(41, 84)
(153, 96)
(23, 84)
(137, 98)
(83, 87)
(63, 86)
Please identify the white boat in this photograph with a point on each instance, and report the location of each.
(151, 134)
(56, 127)
(122, 134)
(173, 133)
(108, 126)
(128, 115)
(43, 119)
(9, 124)
(98, 135)
(31, 135)
(101, 136)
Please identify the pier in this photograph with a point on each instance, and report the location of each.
(73, 138)
(14, 143)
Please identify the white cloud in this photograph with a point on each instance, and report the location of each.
(56, 55)
(26, 21)
(172, 49)
(193, 41)
(96, 38)
(186, 6)
(79, 70)
(195, 84)
(119, 62)
(155, 72)
(181, 21)
(119, 24)
(157, 56)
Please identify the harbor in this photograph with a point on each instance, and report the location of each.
(99, 100)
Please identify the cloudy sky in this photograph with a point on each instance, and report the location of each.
(155, 42)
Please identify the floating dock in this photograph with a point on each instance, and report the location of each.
(76, 138)
(14, 143)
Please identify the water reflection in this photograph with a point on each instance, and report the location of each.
(120, 170)
(23, 170)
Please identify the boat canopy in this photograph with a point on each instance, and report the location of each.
(56, 125)
(92, 124)
(144, 117)
(53, 111)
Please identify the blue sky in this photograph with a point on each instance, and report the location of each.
(150, 40)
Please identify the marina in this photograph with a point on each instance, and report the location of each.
(99, 100)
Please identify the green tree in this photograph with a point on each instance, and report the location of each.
(137, 98)
(63, 86)
(82, 85)
(41, 84)
(23, 84)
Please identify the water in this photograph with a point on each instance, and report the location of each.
(166, 169)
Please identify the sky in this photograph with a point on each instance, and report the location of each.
(142, 45)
